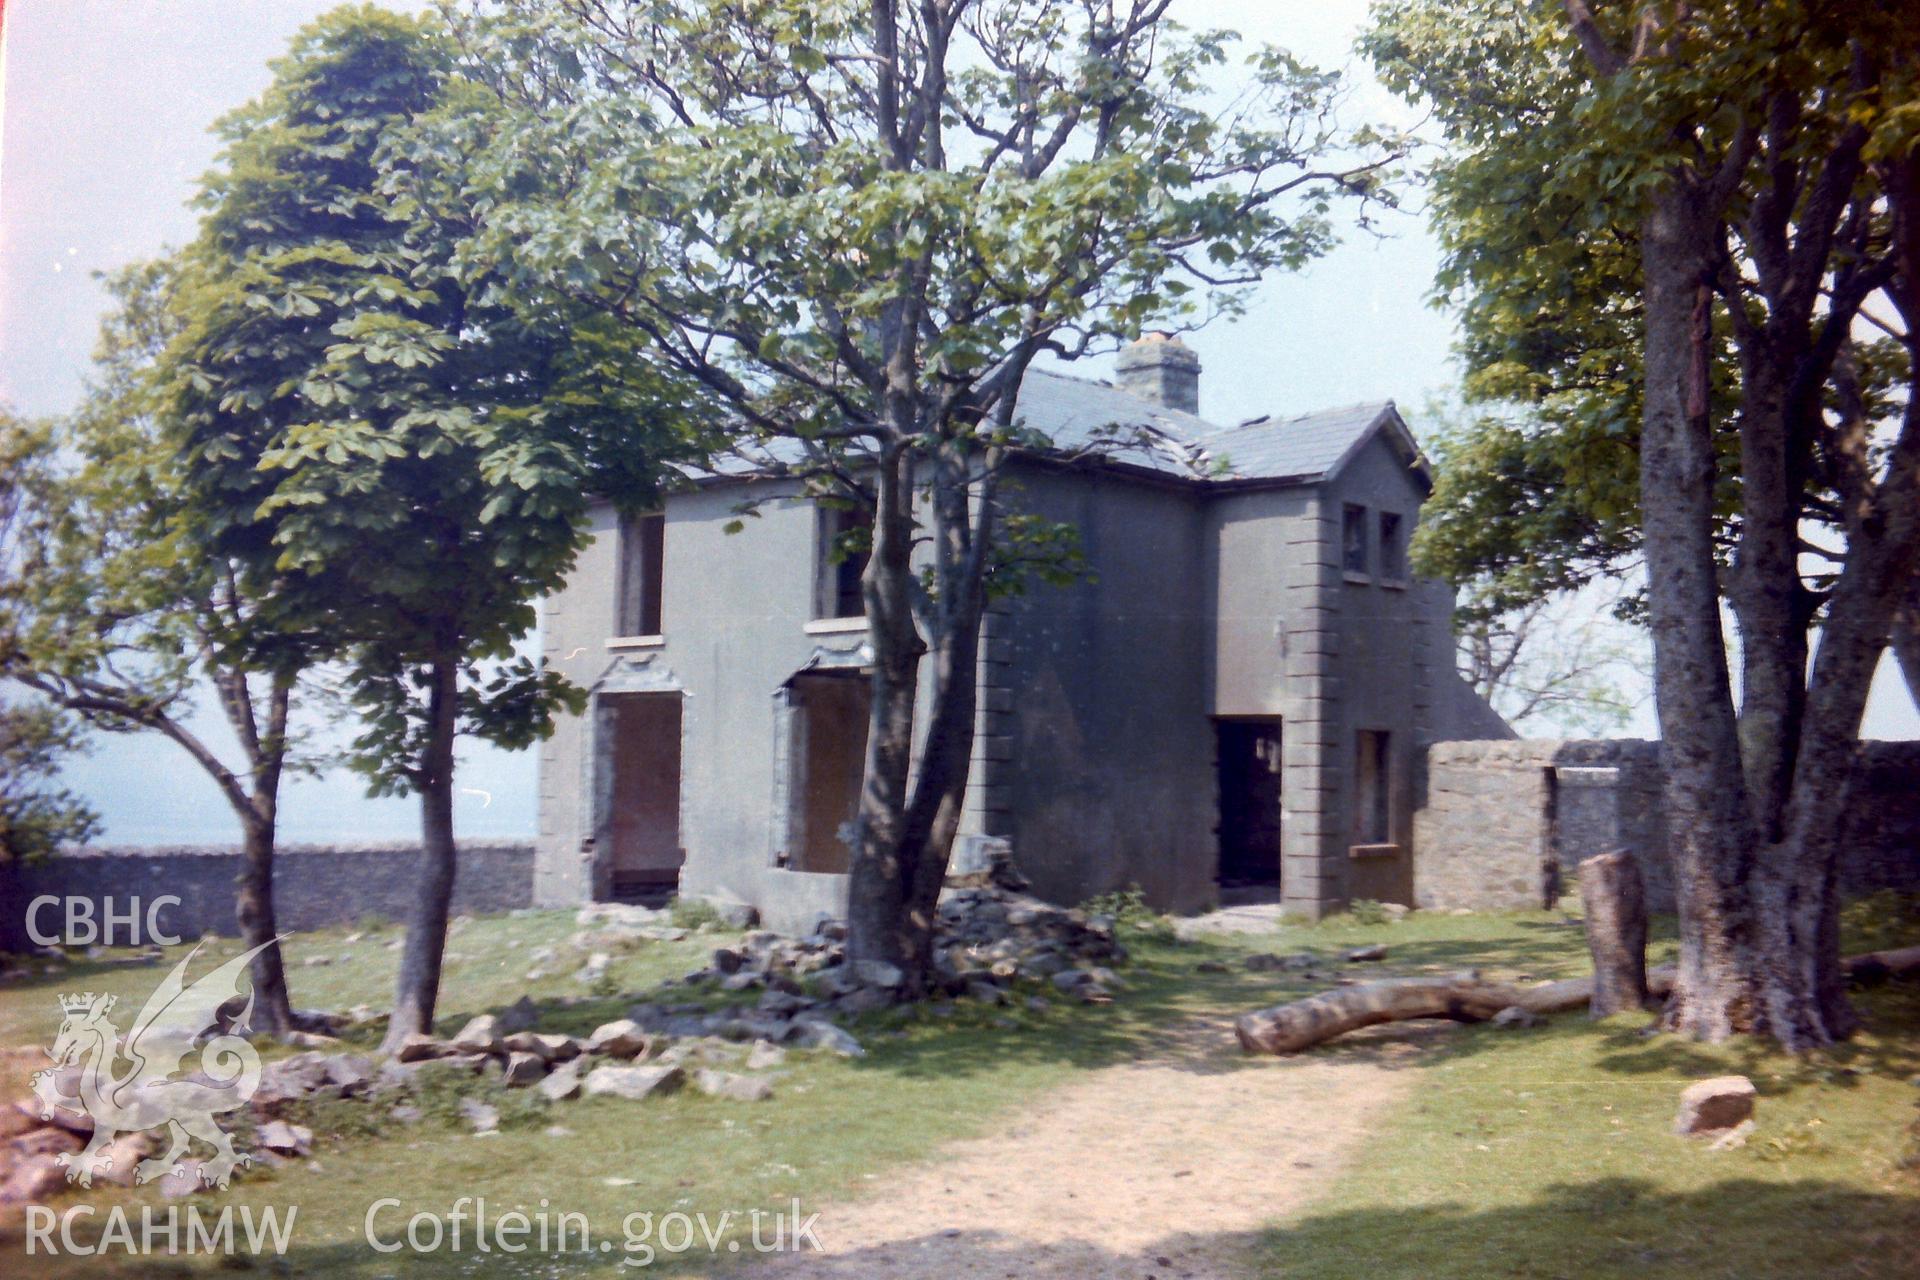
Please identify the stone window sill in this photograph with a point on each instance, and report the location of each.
(636, 642)
(1373, 851)
(1358, 579)
(1396, 584)
(834, 626)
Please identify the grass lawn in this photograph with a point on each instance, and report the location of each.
(1531, 1154)
(1546, 1154)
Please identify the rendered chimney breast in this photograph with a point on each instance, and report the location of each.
(1163, 369)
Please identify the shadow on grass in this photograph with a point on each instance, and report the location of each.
(1608, 1229)
(1747, 1228)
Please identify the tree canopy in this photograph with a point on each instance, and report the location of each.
(857, 225)
(397, 450)
(1699, 219)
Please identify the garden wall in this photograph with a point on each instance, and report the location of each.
(314, 885)
(1502, 825)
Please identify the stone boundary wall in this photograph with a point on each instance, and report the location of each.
(1502, 825)
(313, 885)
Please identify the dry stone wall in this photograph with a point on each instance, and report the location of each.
(313, 885)
(1502, 825)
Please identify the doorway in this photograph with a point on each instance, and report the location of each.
(644, 854)
(1249, 769)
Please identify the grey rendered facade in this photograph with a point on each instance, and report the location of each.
(1238, 693)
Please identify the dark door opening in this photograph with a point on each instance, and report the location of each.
(1249, 765)
(643, 823)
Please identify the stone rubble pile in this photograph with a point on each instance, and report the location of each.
(988, 938)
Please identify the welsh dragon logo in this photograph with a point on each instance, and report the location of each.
(129, 1087)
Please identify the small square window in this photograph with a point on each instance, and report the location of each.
(642, 567)
(1393, 547)
(1353, 540)
(845, 540)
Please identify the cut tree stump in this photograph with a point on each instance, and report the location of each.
(1614, 898)
(1289, 1028)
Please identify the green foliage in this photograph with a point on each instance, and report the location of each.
(1367, 911)
(1527, 502)
(117, 610)
(36, 815)
(1883, 920)
(731, 183)
(1130, 911)
(396, 446)
(694, 913)
(1537, 200)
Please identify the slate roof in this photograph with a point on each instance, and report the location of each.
(1307, 447)
(1075, 413)
(1084, 418)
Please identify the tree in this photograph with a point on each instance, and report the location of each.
(122, 616)
(397, 453)
(37, 816)
(1535, 634)
(1732, 186)
(1557, 664)
(856, 226)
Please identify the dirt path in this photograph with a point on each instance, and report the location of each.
(1166, 1167)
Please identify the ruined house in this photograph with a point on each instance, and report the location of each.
(1234, 700)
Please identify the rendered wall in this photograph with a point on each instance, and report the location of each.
(736, 614)
(1106, 749)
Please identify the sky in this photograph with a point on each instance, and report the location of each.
(107, 105)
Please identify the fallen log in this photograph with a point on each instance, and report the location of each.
(1879, 966)
(1289, 1028)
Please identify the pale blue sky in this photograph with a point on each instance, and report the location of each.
(107, 104)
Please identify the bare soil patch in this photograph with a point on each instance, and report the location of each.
(1168, 1167)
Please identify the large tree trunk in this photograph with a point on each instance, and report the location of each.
(1766, 593)
(1798, 888)
(1613, 900)
(946, 757)
(1711, 840)
(253, 907)
(417, 988)
(901, 864)
(880, 877)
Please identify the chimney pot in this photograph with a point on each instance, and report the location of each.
(1163, 369)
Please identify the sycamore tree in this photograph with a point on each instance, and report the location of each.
(1687, 232)
(856, 225)
(122, 616)
(398, 454)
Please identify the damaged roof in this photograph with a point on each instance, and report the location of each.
(1099, 423)
(1077, 414)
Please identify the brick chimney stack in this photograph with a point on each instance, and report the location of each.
(1163, 369)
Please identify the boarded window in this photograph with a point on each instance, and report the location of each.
(642, 562)
(1393, 547)
(829, 762)
(1353, 540)
(845, 539)
(1372, 794)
